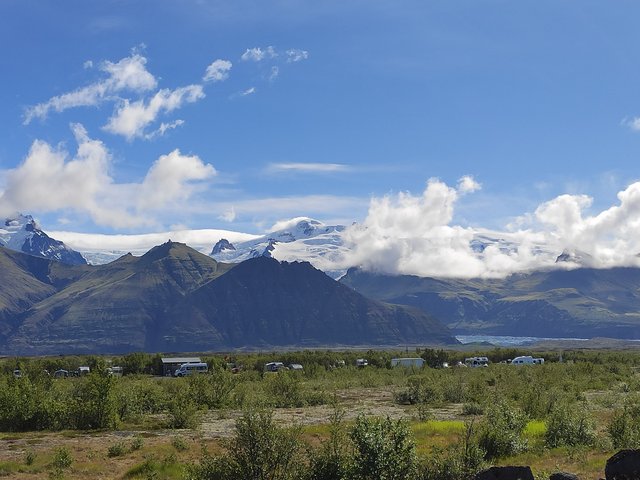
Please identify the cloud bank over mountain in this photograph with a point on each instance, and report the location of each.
(415, 234)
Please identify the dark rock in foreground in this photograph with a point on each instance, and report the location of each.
(505, 473)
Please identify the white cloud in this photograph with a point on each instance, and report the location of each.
(468, 184)
(632, 123)
(217, 71)
(163, 128)
(131, 118)
(169, 180)
(275, 71)
(88, 64)
(229, 215)
(50, 180)
(257, 54)
(308, 167)
(409, 234)
(296, 55)
(128, 74)
(248, 91)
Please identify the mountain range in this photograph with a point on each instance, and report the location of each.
(579, 303)
(174, 298)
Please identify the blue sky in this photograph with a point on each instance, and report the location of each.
(354, 100)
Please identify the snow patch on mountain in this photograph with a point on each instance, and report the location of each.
(298, 239)
(103, 248)
(22, 233)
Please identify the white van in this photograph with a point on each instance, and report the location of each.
(476, 362)
(407, 362)
(191, 368)
(527, 360)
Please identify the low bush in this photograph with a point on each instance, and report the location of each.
(570, 425)
(501, 432)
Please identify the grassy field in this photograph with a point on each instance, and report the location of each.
(567, 416)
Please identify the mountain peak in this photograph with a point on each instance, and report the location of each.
(221, 246)
(23, 234)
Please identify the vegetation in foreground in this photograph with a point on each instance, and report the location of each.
(570, 415)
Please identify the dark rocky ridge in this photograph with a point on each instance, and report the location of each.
(175, 298)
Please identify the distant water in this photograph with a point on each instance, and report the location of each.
(506, 341)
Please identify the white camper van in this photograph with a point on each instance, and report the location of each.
(476, 362)
(527, 360)
(407, 362)
(191, 368)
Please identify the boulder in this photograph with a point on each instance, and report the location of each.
(563, 476)
(505, 473)
(624, 465)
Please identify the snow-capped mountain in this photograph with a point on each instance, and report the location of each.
(300, 239)
(22, 233)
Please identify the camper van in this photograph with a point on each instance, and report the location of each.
(274, 367)
(191, 368)
(407, 362)
(527, 360)
(476, 362)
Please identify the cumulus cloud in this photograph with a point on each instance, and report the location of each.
(307, 167)
(217, 71)
(296, 55)
(468, 184)
(170, 179)
(257, 54)
(131, 118)
(415, 234)
(128, 74)
(50, 179)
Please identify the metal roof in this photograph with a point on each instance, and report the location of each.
(181, 360)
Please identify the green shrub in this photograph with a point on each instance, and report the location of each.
(383, 449)
(624, 429)
(472, 408)
(262, 450)
(332, 461)
(501, 431)
(29, 457)
(569, 425)
(136, 444)
(94, 403)
(116, 450)
(62, 458)
(179, 444)
(183, 411)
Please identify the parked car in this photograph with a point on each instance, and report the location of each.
(61, 373)
(17, 373)
(362, 362)
(295, 366)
